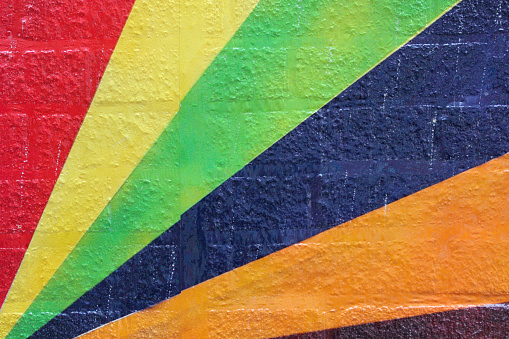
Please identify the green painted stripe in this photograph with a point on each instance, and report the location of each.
(288, 59)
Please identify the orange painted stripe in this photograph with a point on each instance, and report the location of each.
(440, 249)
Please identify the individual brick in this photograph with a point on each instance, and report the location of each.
(62, 20)
(51, 137)
(7, 16)
(13, 141)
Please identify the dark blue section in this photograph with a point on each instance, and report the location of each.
(435, 108)
(151, 275)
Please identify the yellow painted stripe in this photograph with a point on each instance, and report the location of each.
(163, 50)
(440, 249)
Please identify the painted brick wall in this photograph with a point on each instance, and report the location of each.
(52, 56)
(254, 169)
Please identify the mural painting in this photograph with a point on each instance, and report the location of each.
(254, 169)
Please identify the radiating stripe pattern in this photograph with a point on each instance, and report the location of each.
(249, 85)
(161, 53)
(284, 63)
(367, 270)
(354, 155)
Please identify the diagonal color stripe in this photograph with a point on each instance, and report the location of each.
(354, 155)
(164, 48)
(42, 106)
(440, 249)
(487, 321)
(259, 87)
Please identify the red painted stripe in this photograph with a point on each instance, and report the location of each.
(52, 55)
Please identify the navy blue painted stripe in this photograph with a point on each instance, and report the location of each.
(435, 108)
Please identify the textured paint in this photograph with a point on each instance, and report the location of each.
(491, 321)
(385, 137)
(163, 50)
(366, 270)
(433, 110)
(247, 87)
(51, 60)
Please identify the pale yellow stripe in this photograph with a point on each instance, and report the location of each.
(164, 48)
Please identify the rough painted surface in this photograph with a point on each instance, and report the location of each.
(52, 55)
(139, 94)
(366, 270)
(434, 109)
(263, 95)
(483, 322)
(376, 142)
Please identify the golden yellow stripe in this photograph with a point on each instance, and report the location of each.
(163, 50)
(440, 249)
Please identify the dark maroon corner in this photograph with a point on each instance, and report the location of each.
(489, 322)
